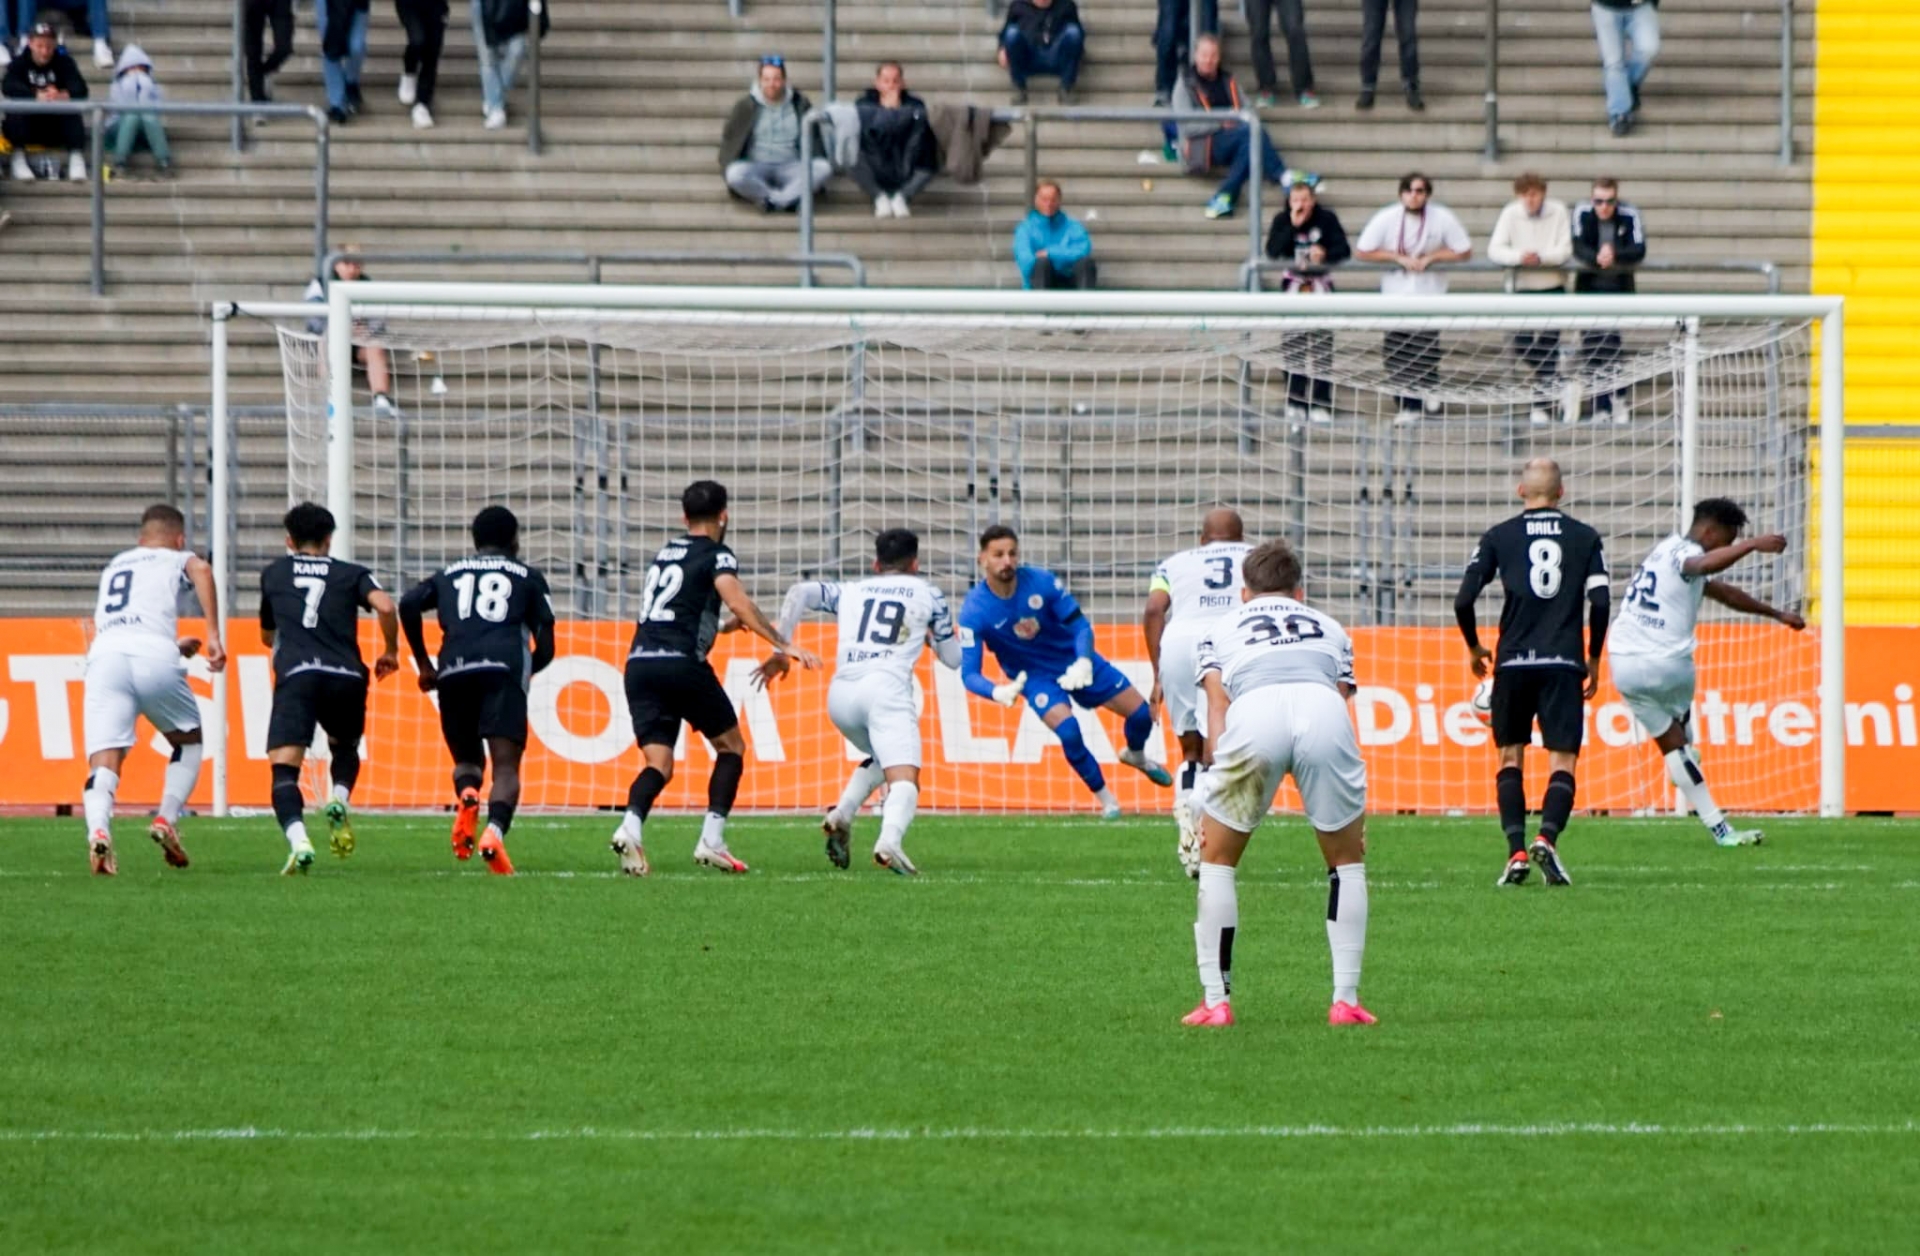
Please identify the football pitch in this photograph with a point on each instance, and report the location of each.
(1691, 1049)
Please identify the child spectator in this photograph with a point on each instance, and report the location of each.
(133, 85)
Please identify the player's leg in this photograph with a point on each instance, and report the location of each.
(847, 706)
(1332, 779)
(894, 733)
(343, 715)
(460, 728)
(1562, 721)
(1512, 719)
(168, 702)
(1683, 769)
(503, 799)
(654, 731)
(109, 711)
(708, 708)
(290, 725)
(1050, 703)
(1180, 690)
(1111, 689)
(1659, 692)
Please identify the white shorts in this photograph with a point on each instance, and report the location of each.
(875, 713)
(1180, 681)
(1659, 691)
(1302, 729)
(120, 688)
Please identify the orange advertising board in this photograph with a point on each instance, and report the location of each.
(1756, 720)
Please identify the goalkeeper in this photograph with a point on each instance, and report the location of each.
(1044, 644)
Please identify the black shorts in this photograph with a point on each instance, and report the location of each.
(1551, 694)
(477, 706)
(662, 692)
(328, 700)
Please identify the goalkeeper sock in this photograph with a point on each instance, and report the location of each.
(1347, 927)
(1081, 758)
(1138, 727)
(1686, 776)
(897, 813)
(645, 788)
(97, 801)
(287, 802)
(1557, 807)
(182, 771)
(860, 786)
(1213, 931)
(1511, 787)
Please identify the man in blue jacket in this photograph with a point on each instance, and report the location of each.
(1051, 249)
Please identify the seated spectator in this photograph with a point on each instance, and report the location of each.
(897, 152)
(133, 85)
(1173, 43)
(500, 41)
(89, 17)
(1051, 249)
(1608, 241)
(254, 20)
(1293, 28)
(1208, 145)
(45, 72)
(343, 51)
(1309, 238)
(425, 22)
(370, 358)
(1620, 25)
(760, 145)
(1533, 231)
(1042, 37)
(1412, 236)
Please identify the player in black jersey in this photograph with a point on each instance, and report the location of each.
(310, 604)
(669, 680)
(1550, 565)
(489, 605)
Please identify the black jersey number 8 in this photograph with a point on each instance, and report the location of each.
(888, 622)
(663, 585)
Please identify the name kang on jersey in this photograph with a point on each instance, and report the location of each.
(310, 567)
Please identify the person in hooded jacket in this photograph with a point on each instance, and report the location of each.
(1051, 249)
(133, 85)
(45, 72)
(760, 144)
(897, 152)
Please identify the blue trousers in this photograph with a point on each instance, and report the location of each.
(94, 12)
(1230, 149)
(339, 75)
(1026, 59)
(1173, 42)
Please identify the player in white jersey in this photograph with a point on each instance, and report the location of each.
(1278, 675)
(1189, 592)
(1653, 641)
(137, 666)
(884, 621)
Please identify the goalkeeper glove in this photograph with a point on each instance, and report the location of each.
(1078, 676)
(1009, 693)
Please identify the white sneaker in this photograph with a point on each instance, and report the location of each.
(1297, 414)
(496, 119)
(1432, 405)
(900, 209)
(883, 206)
(1407, 415)
(633, 858)
(1621, 414)
(384, 407)
(77, 164)
(1539, 417)
(21, 171)
(422, 118)
(103, 54)
(1320, 414)
(409, 86)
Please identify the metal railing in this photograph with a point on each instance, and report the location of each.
(1251, 272)
(1786, 82)
(1031, 118)
(534, 138)
(94, 112)
(593, 262)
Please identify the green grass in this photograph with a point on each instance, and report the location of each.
(435, 1059)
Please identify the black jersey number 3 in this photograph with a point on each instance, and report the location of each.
(663, 585)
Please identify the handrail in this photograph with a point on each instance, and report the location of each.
(534, 139)
(593, 261)
(1491, 149)
(1786, 82)
(95, 110)
(1032, 117)
(1250, 273)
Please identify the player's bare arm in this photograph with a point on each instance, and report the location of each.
(383, 608)
(200, 575)
(734, 595)
(1735, 598)
(1713, 562)
(1153, 625)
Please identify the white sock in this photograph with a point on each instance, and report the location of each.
(860, 786)
(713, 832)
(340, 793)
(630, 827)
(1106, 798)
(1686, 775)
(297, 835)
(98, 799)
(1213, 931)
(897, 813)
(182, 772)
(1347, 928)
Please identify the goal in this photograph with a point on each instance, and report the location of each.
(1100, 426)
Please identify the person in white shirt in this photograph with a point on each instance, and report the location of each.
(1652, 641)
(1278, 675)
(884, 621)
(1413, 235)
(1535, 234)
(137, 666)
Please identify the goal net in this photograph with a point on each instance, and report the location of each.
(1101, 438)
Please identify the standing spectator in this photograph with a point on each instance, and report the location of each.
(6, 34)
(89, 17)
(1534, 232)
(1293, 27)
(256, 17)
(133, 85)
(1412, 236)
(1042, 37)
(371, 358)
(45, 72)
(1207, 144)
(760, 145)
(1308, 236)
(1173, 43)
(1608, 241)
(343, 51)
(425, 22)
(1051, 249)
(500, 30)
(897, 152)
(1617, 24)
(1373, 27)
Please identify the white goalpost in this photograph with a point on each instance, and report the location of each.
(1381, 435)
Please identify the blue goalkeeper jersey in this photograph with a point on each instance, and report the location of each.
(1039, 630)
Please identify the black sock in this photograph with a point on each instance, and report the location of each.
(346, 766)
(1226, 959)
(1189, 773)
(500, 815)
(1557, 807)
(287, 802)
(1511, 787)
(724, 783)
(645, 788)
(466, 777)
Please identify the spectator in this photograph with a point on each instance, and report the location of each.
(256, 16)
(368, 357)
(1308, 236)
(1042, 37)
(425, 22)
(1173, 43)
(500, 41)
(45, 72)
(1609, 240)
(1533, 231)
(89, 17)
(1616, 24)
(1412, 236)
(1207, 145)
(133, 85)
(343, 50)
(760, 145)
(1051, 249)
(6, 34)
(1293, 27)
(1373, 27)
(897, 153)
